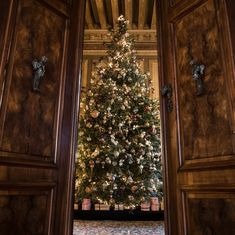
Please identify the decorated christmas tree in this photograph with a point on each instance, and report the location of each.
(119, 155)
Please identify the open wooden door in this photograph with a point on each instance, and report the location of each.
(37, 128)
(197, 43)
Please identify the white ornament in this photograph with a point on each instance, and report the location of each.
(142, 134)
(89, 125)
(129, 180)
(116, 153)
(123, 107)
(81, 133)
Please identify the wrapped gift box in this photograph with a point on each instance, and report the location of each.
(145, 206)
(155, 207)
(104, 207)
(121, 207)
(86, 204)
(75, 206)
(97, 207)
(154, 200)
(154, 204)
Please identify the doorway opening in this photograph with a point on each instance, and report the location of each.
(119, 162)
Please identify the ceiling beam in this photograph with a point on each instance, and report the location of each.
(109, 13)
(128, 12)
(101, 13)
(89, 20)
(115, 14)
(142, 12)
(154, 17)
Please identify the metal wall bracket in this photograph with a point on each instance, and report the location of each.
(39, 71)
(166, 91)
(198, 71)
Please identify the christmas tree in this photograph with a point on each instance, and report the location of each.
(119, 155)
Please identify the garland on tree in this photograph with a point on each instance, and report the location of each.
(119, 153)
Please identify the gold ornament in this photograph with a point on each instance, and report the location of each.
(95, 113)
(90, 93)
(88, 190)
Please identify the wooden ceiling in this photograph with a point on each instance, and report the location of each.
(102, 14)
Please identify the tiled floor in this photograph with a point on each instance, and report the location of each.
(84, 227)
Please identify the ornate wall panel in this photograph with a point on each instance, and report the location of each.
(29, 117)
(205, 121)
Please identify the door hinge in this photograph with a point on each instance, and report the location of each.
(166, 92)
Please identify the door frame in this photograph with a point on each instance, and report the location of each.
(69, 130)
(161, 47)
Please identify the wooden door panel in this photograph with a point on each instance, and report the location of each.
(38, 129)
(26, 213)
(210, 213)
(3, 18)
(199, 132)
(231, 12)
(204, 120)
(30, 119)
(174, 2)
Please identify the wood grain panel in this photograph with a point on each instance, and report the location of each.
(4, 23)
(231, 12)
(36, 171)
(177, 7)
(29, 121)
(174, 2)
(205, 120)
(67, 1)
(11, 175)
(24, 214)
(197, 135)
(211, 216)
(58, 6)
(3, 19)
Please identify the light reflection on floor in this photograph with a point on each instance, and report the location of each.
(105, 227)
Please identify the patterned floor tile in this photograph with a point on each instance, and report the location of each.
(82, 227)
